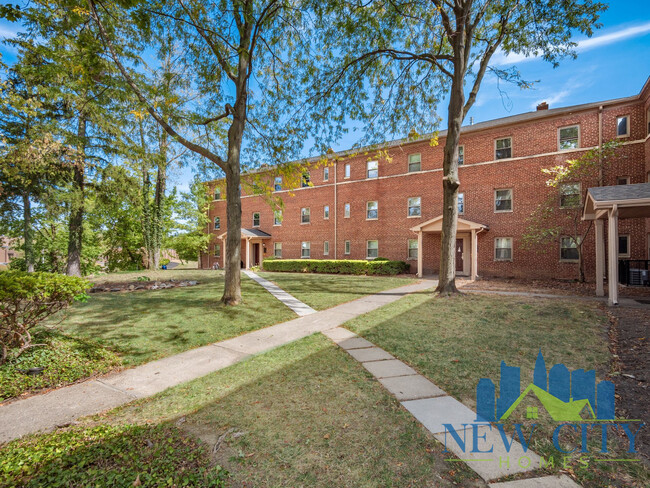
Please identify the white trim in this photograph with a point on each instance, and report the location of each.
(326, 253)
(629, 245)
(627, 180)
(495, 148)
(512, 202)
(347, 248)
(408, 207)
(579, 183)
(377, 209)
(326, 216)
(459, 194)
(562, 260)
(408, 162)
(559, 140)
(408, 249)
(494, 254)
(367, 248)
(627, 128)
(259, 219)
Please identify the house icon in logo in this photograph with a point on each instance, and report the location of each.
(566, 396)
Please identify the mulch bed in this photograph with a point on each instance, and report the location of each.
(141, 285)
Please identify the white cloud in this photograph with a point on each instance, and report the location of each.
(583, 45)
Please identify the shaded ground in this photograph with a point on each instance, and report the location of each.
(629, 338)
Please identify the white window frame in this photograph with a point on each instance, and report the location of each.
(409, 206)
(368, 249)
(326, 212)
(326, 248)
(326, 173)
(259, 219)
(277, 218)
(369, 169)
(512, 203)
(305, 211)
(217, 250)
(462, 194)
(347, 210)
(276, 184)
(217, 190)
(347, 247)
(418, 162)
(276, 249)
(217, 223)
(559, 139)
(627, 125)
(629, 245)
(626, 178)
(368, 209)
(409, 249)
(563, 185)
(495, 147)
(305, 248)
(496, 239)
(566, 260)
(346, 171)
(461, 148)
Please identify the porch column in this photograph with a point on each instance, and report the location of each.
(420, 254)
(474, 268)
(260, 254)
(248, 254)
(600, 257)
(612, 276)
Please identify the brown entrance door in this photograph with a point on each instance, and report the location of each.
(459, 255)
(256, 255)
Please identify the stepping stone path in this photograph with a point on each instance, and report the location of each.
(432, 407)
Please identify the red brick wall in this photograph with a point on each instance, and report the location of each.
(534, 146)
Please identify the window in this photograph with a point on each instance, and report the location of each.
(326, 212)
(570, 195)
(647, 119)
(568, 249)
(461, 203)
(569, 137)
(414, 207)
(326, 248)
(217, 250)
(326, 174)
(623, 180)
(347, 247)
(346, 211)
(277, 249)
(413, 249)
(305, 250)
(372, 169)
(461, 155)
(256, 219)
(503, 200)
(372, 209)
(306, 180)
(623, 126)
(346, 174)
(217, 193)
(304, 216)
(624, 246)
(503, 249)
(278, 183)
(217, 223)
(372, 249)
(415, 162)
(277, 217)
(503, 148)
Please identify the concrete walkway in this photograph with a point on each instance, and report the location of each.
(60, 407)
(290, 301)
(433, 408)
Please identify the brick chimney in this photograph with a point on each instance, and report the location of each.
(542, 106)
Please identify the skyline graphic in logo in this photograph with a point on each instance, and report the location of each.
(566, 396)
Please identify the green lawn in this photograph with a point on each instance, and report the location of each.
(322, 291)
(145, 325)
(456, 341)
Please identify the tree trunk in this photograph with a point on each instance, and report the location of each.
(159, 201)
(232, 285)
(581, 265)
(28, 235)
(75, 226)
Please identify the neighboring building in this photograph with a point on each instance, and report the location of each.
(360, 207)
(7, 253)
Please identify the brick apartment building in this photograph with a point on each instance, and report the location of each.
(359, 206)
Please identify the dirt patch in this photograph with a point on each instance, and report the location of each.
(128, 286)
(217, 442)
(629, 343)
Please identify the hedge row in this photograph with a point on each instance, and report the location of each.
(344, 266)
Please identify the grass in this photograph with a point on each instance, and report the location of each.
(322, 291)
(305, 414)
(456, 341)
(64, 358)
(145, 325)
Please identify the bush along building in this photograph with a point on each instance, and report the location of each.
(386, 201)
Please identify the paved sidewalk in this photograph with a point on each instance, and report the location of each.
(59, 407)
(433, 408)
(290, 301)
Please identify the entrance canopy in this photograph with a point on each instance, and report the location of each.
(250, 237)
(613, 202)
(466, 230)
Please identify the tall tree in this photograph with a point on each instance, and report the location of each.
(397, 59)
(238, 55)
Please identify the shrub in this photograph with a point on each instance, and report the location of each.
(344, 266)
(109, 456)
(26, 300)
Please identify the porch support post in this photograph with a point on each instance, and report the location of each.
(260, 253)
(612, 276)
(600, 257)
(474, 267)
(420, 254)
(248, 254)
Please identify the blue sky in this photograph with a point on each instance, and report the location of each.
(613, 63)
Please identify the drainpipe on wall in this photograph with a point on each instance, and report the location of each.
(336, 167)
(600, 146)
